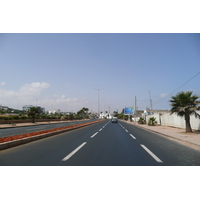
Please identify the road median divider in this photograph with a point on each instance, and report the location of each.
(16, 140)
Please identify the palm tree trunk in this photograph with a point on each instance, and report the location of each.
(33, 119)
(187, 122)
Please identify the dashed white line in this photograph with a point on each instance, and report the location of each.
(152, 154)
(126, 130)
(132, 136)
(94, 135)
(73, 152)
(100, 129)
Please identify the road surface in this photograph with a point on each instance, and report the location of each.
(5, 132)
(102, 144)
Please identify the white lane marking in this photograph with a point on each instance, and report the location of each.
(152, 154)
(94, 135)
(73, 152)
(132, 136)
(100, 129)
(126, 130)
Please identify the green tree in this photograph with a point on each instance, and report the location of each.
(33, 112)
(185, 104)
(2, 111)
(115, 113)
(83, 112)
(71, 116)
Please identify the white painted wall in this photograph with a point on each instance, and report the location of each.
(175, 121)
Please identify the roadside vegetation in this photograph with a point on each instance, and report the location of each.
(142, 120)
(33, 114)
(185, 104)
(152, 121)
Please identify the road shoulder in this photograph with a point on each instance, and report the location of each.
(176, 134)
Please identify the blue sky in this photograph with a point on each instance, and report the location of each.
(60, 71)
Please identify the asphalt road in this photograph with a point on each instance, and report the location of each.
(102, 144)
(28, 129)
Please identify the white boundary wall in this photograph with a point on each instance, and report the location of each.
(174, 120)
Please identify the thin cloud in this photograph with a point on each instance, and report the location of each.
(26, 93)
(2, 83)
(29, 94)
(163, 95)
(33, 88)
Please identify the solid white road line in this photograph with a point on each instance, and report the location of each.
(94, 135)
(132, 136)
(73, 152)
(152, 154)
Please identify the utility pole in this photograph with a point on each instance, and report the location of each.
(135, 108)
(150, 100)
(98, 99)
(104, 105)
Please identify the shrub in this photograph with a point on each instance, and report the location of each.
(142, 120)
(23, 117)
(15, 117)
(152, 121)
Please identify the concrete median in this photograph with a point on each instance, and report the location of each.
(14, 143)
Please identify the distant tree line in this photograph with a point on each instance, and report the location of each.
(34, 113)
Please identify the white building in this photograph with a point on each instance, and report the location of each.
(4, 108)
(27, 107)
(49, 112)
(105, 115)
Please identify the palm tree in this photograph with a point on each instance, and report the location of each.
(184, 104)
(33, 112)
(83, 112)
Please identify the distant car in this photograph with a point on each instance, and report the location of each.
(114, 120)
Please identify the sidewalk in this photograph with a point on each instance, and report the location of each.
(177, 134)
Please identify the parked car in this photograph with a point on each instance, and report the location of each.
(114, 120)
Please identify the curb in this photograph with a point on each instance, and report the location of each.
(15, 143)
(187, 143)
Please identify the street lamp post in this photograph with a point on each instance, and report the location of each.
(104, 105)
(98, 98)
(150, 99)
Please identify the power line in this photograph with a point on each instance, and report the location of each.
(177, 88)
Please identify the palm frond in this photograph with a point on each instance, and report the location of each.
(183, 101)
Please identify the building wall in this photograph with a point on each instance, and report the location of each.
(27, 107)
(174, 120)
(5, 108)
